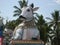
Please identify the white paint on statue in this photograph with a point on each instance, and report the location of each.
(27, 29)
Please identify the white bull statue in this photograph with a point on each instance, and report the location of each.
(26, 30)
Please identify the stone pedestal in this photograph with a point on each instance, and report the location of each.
(27, 42)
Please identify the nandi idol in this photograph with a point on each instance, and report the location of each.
(26, 30)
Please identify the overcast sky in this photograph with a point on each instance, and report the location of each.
(46, 7)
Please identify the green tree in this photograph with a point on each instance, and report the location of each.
(43, 28)
(12, 24)
(18, 9)
(55, 24)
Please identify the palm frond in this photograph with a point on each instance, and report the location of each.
(16, 14)
(52, 32)
(17, 7)
(48, 18)
(51, 24)
(51, 36)
(19, 11)
(35, 18)
(22, 3)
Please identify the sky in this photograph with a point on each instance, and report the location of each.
(46, 7)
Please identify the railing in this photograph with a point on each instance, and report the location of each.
(27, 42)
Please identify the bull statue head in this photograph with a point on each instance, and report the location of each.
(27, 12)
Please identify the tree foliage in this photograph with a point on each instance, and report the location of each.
(18, 9)
(12, 24)
(55, 23)
(43, 28)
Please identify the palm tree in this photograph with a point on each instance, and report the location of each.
(12, 24)
(43, 28)
(18, 9)
(55, 23)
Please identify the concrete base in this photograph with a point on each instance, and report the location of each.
(27, 42)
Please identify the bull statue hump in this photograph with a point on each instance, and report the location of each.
(26, 30)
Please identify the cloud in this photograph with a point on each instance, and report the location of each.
(57, 1)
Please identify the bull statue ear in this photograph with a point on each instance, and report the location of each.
(32, 5)
(36, 8)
